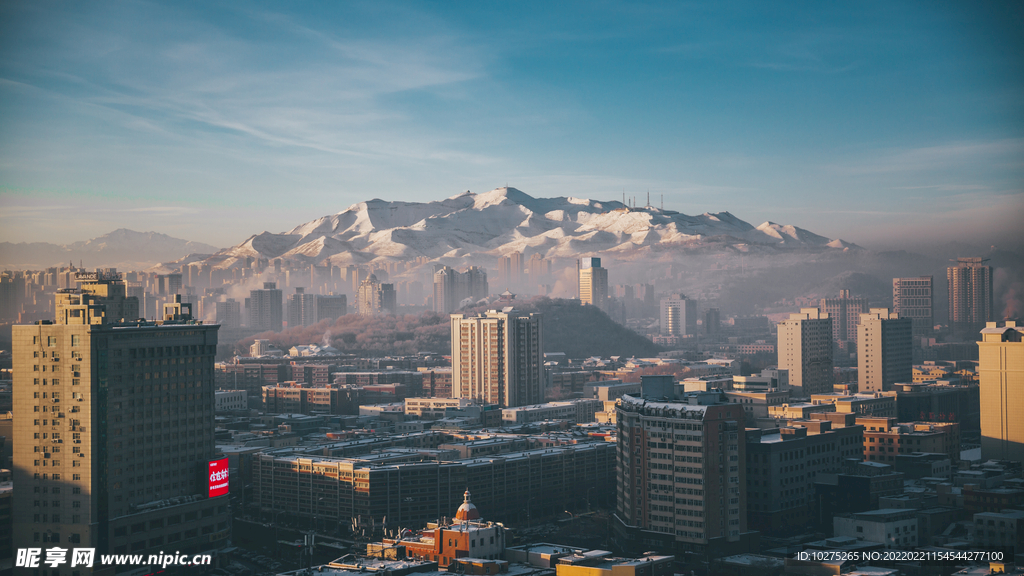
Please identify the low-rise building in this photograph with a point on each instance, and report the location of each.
(580, 411)
(467, 536)
(227, 400)
(999, 529)
(893, 527)
(870, 404)
(884, 439)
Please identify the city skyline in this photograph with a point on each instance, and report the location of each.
(882, 125)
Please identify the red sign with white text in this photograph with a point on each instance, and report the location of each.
(218, 477)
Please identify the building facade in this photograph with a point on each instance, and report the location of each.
(678, 316)
(1001, 379)
(913, 298)
(805, 350)
(497, 357)
(265, 311)
(515, 487)
(782, 465)
(376, 299)
(681, 477)
(593, 281)
(114, 429)
(845, 313)
(884, 355)
(970, 296)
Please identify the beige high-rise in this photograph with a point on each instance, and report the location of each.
(593, 283)
(884, 354)
(1001, 378)
(805, 349)
(498, 357)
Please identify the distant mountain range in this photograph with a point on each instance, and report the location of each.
(123, 248)
(507, 220)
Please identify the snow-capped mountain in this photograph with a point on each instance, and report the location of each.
(507, 220)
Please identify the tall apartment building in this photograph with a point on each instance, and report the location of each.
(510, 270)
(593, 281)
(1001, 379)
(681, 476)
(913, 298)
(498, 358)
(538, 268)
(712, 321)
(301, 308)
(265, 308)
(884, 355)
(970, 296)
(114, 433)
(805, 349)
(451, 287)
(845, 313)
(678, 316)
(229, 314)
(376, 299)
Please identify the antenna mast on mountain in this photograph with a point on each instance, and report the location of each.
(663, 202)
(648, 198)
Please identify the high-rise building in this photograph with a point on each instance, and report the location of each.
(593, 283)
(845, 313)
(1001, 379)
(446, 298)
(970, 296)
(229, 314)
(114, 432)
(539, 268)
(805, 349)
(168, 284)
(376, 299)
(712, 321)
(452, 287)
(678, 316)
(331, 307)
(913, 298)
(681, 475)
(884, 355)
(265, 308)
(510, 270)
(498, 357)
(302, 308)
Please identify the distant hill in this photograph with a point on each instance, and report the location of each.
(578, 331)
(121, 248)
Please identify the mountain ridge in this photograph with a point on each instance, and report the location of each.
(119, 248)
(505, 220)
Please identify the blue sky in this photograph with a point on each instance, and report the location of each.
(878, 122)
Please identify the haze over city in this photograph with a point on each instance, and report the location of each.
(511, 289)
(885, 124)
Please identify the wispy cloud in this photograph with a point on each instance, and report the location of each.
(1003, 153)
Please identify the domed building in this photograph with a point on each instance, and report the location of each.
(467, 511)
(466, 535)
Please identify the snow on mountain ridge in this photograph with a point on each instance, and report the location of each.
(505, 220)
